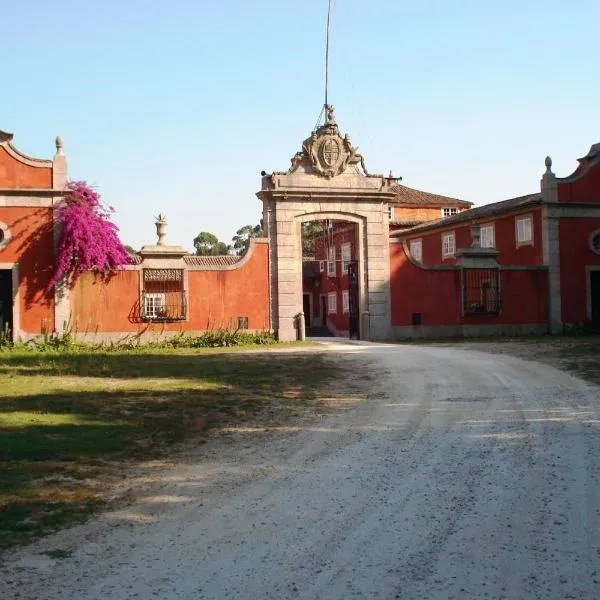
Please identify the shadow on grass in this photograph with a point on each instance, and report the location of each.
(55, 440)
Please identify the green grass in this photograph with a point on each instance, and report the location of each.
(67, 420)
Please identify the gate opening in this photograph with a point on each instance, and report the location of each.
(330, 278)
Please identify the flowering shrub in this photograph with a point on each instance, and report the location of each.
(88, 239)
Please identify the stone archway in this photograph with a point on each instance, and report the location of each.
(328, 180)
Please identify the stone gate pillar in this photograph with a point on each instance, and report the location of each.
(327, 179)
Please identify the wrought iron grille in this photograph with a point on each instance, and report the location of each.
(163, 297)
(481, 291)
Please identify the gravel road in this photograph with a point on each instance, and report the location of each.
(462, 475)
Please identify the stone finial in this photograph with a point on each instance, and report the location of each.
(59, 145)
(330, 118)
(391, 175)
(161, 229)
(475, 236)
(548, 163)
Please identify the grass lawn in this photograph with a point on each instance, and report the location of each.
(68, 420)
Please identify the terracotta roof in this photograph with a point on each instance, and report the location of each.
(408, 196)
(212, 261)
(479, 213)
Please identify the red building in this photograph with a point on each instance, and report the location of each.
(528, 264)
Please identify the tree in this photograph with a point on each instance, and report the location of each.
(310, 231)
(88, 239)
(243, 234)
(207, 244)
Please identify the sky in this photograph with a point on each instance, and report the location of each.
(176, 107)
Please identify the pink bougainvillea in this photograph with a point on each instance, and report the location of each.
(88, 238)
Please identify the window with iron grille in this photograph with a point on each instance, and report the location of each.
(481, 291)
(242, 322)
(163, 296)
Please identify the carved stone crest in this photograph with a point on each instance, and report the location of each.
(327, 152)
(330, 151)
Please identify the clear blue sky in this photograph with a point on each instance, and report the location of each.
(177, 106)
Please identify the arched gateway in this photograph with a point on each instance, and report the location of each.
(328, 180)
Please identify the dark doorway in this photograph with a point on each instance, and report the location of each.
(6, 302)
(306, 308)
(595, 298)
(324, 310)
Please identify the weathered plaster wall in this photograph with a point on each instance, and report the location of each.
(584, 189)
(30, 246)
(14, 174)
(436, 295)
(576, 258)
(216, 297)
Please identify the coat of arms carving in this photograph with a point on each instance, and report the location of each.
(327, 152)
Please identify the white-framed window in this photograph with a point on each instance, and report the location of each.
(448, 211)
(346, 301)
(154, 305)
(332, 303)
(448, 245)
(487, 238)
(416, 249)
(321, 266)
(331, 262)
(391, 213)
(346, 253)
(524, 230)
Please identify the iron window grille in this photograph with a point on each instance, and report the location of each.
(481, 291)
(242, 322)
(163, 297)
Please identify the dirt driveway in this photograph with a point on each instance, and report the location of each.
(462, 475)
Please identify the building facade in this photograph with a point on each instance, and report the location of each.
(391, 262)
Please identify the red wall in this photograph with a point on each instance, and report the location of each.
(215, 299)
(31, 246)
(586, 189)
(505, 238)
(575, 254)
(434, 294)
(15, 174)
(437, 295)
(218, 298)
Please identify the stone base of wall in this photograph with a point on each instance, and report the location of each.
(422, 332)
(120, 337)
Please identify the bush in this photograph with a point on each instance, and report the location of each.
(218, 338)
